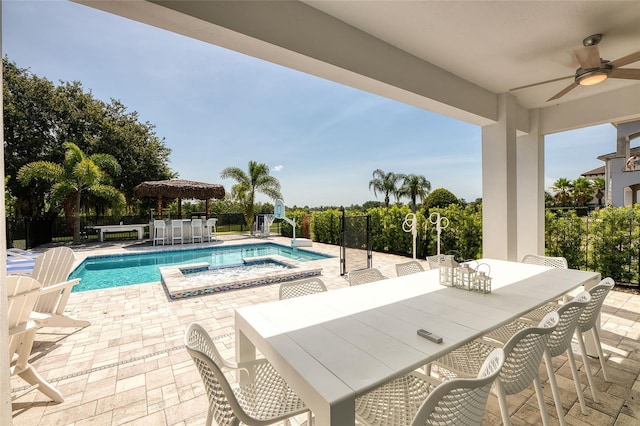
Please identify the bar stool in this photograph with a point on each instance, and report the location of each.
(210, 226)
(196, 230)
(159, 231)
(176, 231)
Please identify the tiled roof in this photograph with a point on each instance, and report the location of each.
(596, 171)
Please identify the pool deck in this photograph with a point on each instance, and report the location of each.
(130, 367)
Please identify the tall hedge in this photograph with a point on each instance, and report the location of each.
(606, 240)
(614, 243)
(565, 235)
(463, 236)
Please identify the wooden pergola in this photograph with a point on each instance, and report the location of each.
(180, 189)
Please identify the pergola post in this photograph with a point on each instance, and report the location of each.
(159, 208)
(206, 208)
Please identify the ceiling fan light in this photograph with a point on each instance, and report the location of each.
(591, 79)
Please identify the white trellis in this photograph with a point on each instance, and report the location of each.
(410, 225)
(441, 223)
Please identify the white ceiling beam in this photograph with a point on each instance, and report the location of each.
(615, 106)
(298, 36)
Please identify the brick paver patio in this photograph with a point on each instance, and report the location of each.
(130, 367)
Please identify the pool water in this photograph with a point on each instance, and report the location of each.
(120, 270)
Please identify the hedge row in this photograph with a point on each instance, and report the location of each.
(606, 240)
(463, 237)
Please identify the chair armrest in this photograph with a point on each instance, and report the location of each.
(59, 287)
(64, 289)
(22, 328)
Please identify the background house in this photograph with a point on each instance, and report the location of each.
(621, 169)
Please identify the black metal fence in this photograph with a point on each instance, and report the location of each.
(30, 232)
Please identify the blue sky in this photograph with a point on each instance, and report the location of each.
(217, 108)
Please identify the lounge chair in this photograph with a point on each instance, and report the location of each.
(22, 295)
(51, 270)
(20, 261)
(22, 254)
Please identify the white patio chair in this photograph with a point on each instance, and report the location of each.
(261, 399)
(558, 344)
(291, 289)
(417, 400)
(554, 262)
(176, 231)
(407, 268)
(364, 276)
(210, 229)
(588, 321)
(22, 295)
(52, 270)
(438, 259)
(159, 231)
(523, 353)
(196, 230)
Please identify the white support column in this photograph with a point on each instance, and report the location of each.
(5, 383)
(530, 171)
(499, 183)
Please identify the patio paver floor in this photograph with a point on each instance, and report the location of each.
(129, 366)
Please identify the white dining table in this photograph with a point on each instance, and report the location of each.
(332, 347)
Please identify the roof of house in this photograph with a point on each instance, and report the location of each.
(594, 172)
(632, 151)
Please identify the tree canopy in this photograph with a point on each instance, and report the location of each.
(76, 178)
(256, 179)
(415, 187)
(387, 184)
(40, 116)
(439, 198)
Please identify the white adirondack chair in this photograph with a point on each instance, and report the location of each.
(51, 270)
(23, 293)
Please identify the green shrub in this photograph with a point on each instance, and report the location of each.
(565, 235)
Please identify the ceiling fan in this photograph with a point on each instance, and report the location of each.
(593, 69)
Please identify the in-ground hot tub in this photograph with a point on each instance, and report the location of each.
(200, 278)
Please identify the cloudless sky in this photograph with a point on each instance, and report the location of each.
(217, 108)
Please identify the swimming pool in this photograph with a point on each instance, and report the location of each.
(120, 270)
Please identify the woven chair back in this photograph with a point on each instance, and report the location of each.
(303, 287)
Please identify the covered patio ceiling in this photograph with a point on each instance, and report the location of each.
(450, 57)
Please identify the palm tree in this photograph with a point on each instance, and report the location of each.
(79, 176)
(582, 190)
(598, 187)
(562, 189)
(415, 187)
(386, 183)
(256, 180)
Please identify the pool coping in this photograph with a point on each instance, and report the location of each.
(179, 287)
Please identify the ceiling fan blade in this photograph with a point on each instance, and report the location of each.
(625, 60)
(563, 91)
(588, 57)
(627, 73)
(540, 83)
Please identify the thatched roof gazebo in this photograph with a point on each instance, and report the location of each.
(180, 189)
